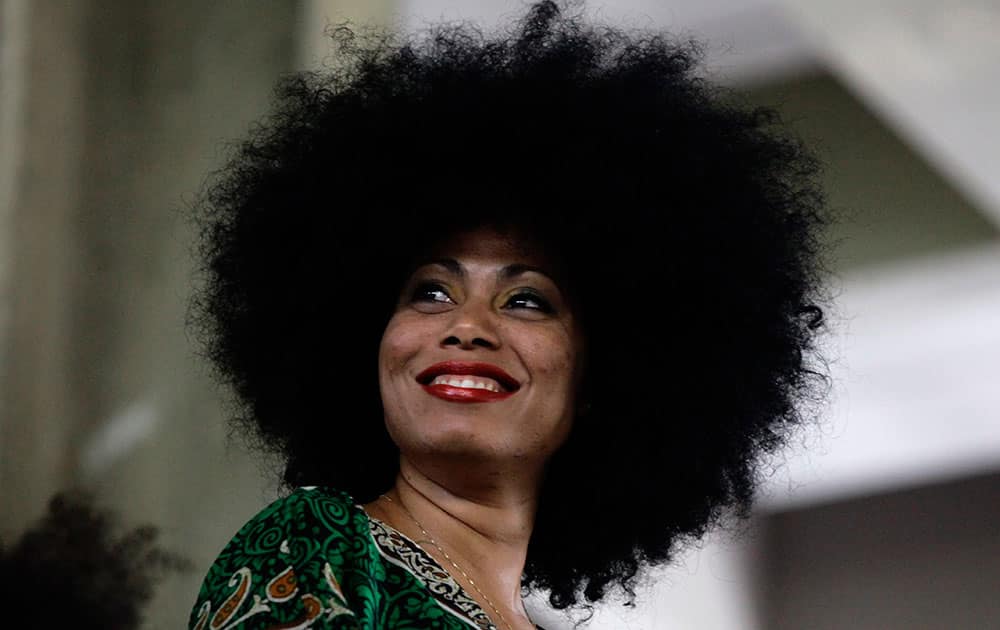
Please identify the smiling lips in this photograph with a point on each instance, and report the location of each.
(461, 381)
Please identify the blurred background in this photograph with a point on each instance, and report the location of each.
(886, 515)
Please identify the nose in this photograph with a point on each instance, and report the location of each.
(472, 326)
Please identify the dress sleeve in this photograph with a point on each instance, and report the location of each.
(284, 569)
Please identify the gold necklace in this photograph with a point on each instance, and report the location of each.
(444, 553)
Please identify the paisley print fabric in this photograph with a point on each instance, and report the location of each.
(314, 559)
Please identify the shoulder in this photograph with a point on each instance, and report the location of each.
(286, 564)
(307, 511)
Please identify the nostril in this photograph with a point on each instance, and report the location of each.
(453, 340)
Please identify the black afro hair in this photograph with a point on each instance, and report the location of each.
(73, 570)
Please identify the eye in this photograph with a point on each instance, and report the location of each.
(431, 292)
(527, 299)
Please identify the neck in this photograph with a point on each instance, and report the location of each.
(484, 526)
(499, 511)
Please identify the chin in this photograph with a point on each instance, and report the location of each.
(455, 438)
(459, 438)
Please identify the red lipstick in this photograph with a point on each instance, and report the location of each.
(454, 393)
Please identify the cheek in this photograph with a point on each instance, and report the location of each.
(554, 360)
(400, 341)
(557, 369)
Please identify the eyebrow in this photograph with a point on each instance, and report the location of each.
(511, 271)
(506, 273)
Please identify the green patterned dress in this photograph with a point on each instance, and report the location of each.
(315, 559)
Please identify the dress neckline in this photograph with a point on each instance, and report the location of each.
(405, 552)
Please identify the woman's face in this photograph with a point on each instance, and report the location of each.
(481, 358)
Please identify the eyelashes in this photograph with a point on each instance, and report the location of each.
(431, 292)
(525, 298)
(435, 293)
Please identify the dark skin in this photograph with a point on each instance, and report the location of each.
(470, 472)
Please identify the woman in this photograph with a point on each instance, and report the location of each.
(590, 282)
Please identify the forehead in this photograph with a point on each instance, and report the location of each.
(487, 246)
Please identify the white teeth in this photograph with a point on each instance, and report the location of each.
(467, 382)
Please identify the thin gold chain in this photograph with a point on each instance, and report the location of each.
(444, 553)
